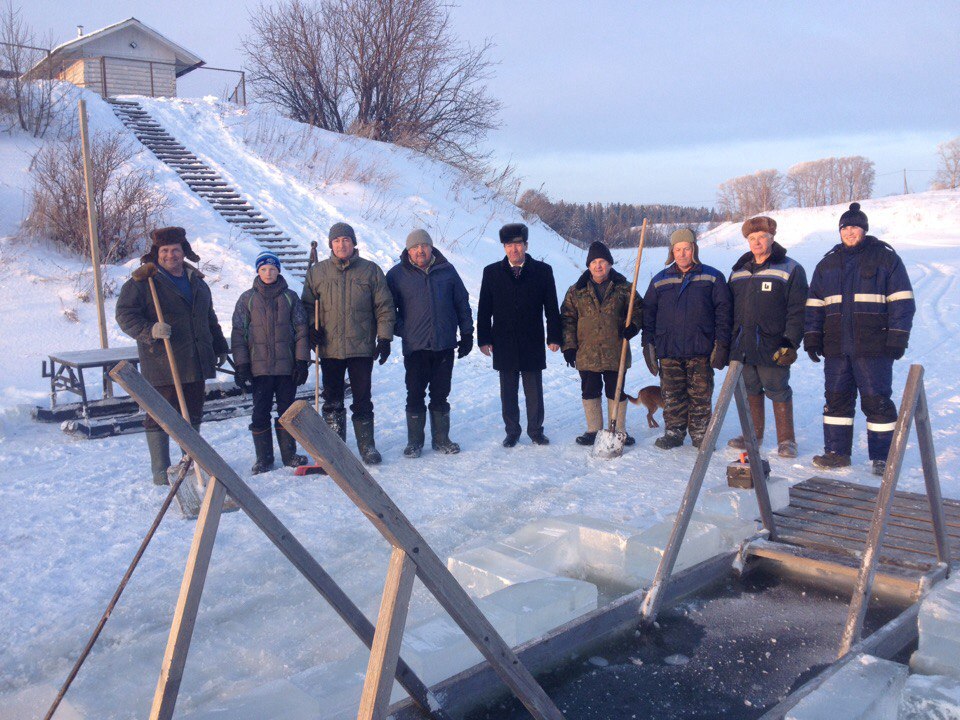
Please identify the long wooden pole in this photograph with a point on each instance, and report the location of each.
(316, 366)
(94, 234)
(621, 374)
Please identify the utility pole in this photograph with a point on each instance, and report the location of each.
(906, 191)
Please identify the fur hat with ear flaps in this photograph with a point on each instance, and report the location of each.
(169, 236)
(514, 232)
(761, 223)
(680, 236)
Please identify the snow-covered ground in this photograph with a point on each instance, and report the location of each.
(72, 512)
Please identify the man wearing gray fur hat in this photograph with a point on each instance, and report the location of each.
(432, 304)
(356, 325)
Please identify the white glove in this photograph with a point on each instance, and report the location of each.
(160, 331)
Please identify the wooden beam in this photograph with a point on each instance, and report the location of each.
(753, 454)
(185, 614)
(931, 477)
(385, 652)
(278, 533)
(306, 426)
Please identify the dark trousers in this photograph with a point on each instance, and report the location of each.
(687, 387)
(770, 380)
(591, 383)
(428, 369)
(360, 370)
(194, 393)
(265, 389)
(873, 378)
(510, 400)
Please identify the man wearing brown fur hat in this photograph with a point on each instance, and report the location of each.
(769, 294)
(190, 324)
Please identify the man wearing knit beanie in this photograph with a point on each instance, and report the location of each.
(432, 304)
(356, 318)
(859, 314)
(769, 293)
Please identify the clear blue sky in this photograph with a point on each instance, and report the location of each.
(661, 101)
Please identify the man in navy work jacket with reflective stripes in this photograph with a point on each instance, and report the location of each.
(858, 317)
(769, 292)
(686, 336)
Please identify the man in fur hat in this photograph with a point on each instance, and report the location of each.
(686, 336)
(769, 293)
(190, 324)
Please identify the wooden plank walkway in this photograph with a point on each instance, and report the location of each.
(833, 516)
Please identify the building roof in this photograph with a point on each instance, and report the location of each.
(185, 61)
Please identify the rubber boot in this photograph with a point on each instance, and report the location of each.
(440, 433)
(337, 420)
(786, 440)
(263, 447)
(288, 448)
(158, 443)
(416, 421)
(758, 414)
(593, 412)
(363, 430)
(621, 411)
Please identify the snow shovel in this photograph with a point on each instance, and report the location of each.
(609, 442)
(314, 469)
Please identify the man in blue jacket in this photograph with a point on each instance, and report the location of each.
(858, 318)
(686, 329)
(432, 304)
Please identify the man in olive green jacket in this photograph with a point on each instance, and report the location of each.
(356, 325)
(594, 314)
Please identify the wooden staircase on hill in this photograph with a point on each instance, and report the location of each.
(208, 184)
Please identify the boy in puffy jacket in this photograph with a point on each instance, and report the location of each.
(271, 355)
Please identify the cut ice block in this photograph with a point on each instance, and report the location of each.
(278, 700)
(930, 697)
(866, 688)
(336, 686)
(644, 550)
(33, 702)
(528, 610)
(939, 627)
(742, 503)
(437, 649)
(733, 531)
(925, 664)
(484, 570)
(601, 547)
(550, 544)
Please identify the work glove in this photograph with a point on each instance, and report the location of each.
(650, 356)
(464, 346)
(720, 356)
(300, 372)
(571, 357)
(785, 356)
(316, 336)
(895, 352)
(383, 350)
(160, 331)
(243, 378)
(813, 344)
(814, 355)
(628, 332)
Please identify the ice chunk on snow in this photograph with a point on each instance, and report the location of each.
(866, 688)
(644, 550)
(34, 701)
(484, 570)
(939, 628)
(926, 697)
(280, 699)
(527, 610)
(742, 503)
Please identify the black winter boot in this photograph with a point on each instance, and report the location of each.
(416, 421)
(337, 420)
(831, 461)
(263, 446)
(363, 430)
(669, 441)
(288, 448)
(440, 433)
(158, 443)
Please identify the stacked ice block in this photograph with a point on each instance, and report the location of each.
(930, 697)
(866, 688)
(938, 650)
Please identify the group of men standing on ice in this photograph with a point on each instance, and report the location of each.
(856, 314)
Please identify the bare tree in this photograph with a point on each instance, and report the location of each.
(127, 202)
(948, 166)
(830, 181)
(31, 103)
(747, 195)
(387, 70)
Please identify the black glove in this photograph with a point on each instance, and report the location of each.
(383, 350)
(628, 332)
(895, 352)
(317, 336)
(720, 356)
(785, 356)
(571, 357)
(650, 356)
(814, 355)
(243, 378)
(300, 372)
(464, 346)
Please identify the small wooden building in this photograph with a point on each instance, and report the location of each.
(126, 58)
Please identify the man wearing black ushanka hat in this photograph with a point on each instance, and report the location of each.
(515, 295)
(190, 323)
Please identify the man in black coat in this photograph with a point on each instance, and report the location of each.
(515, 295)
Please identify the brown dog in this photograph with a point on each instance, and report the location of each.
(650, 398)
